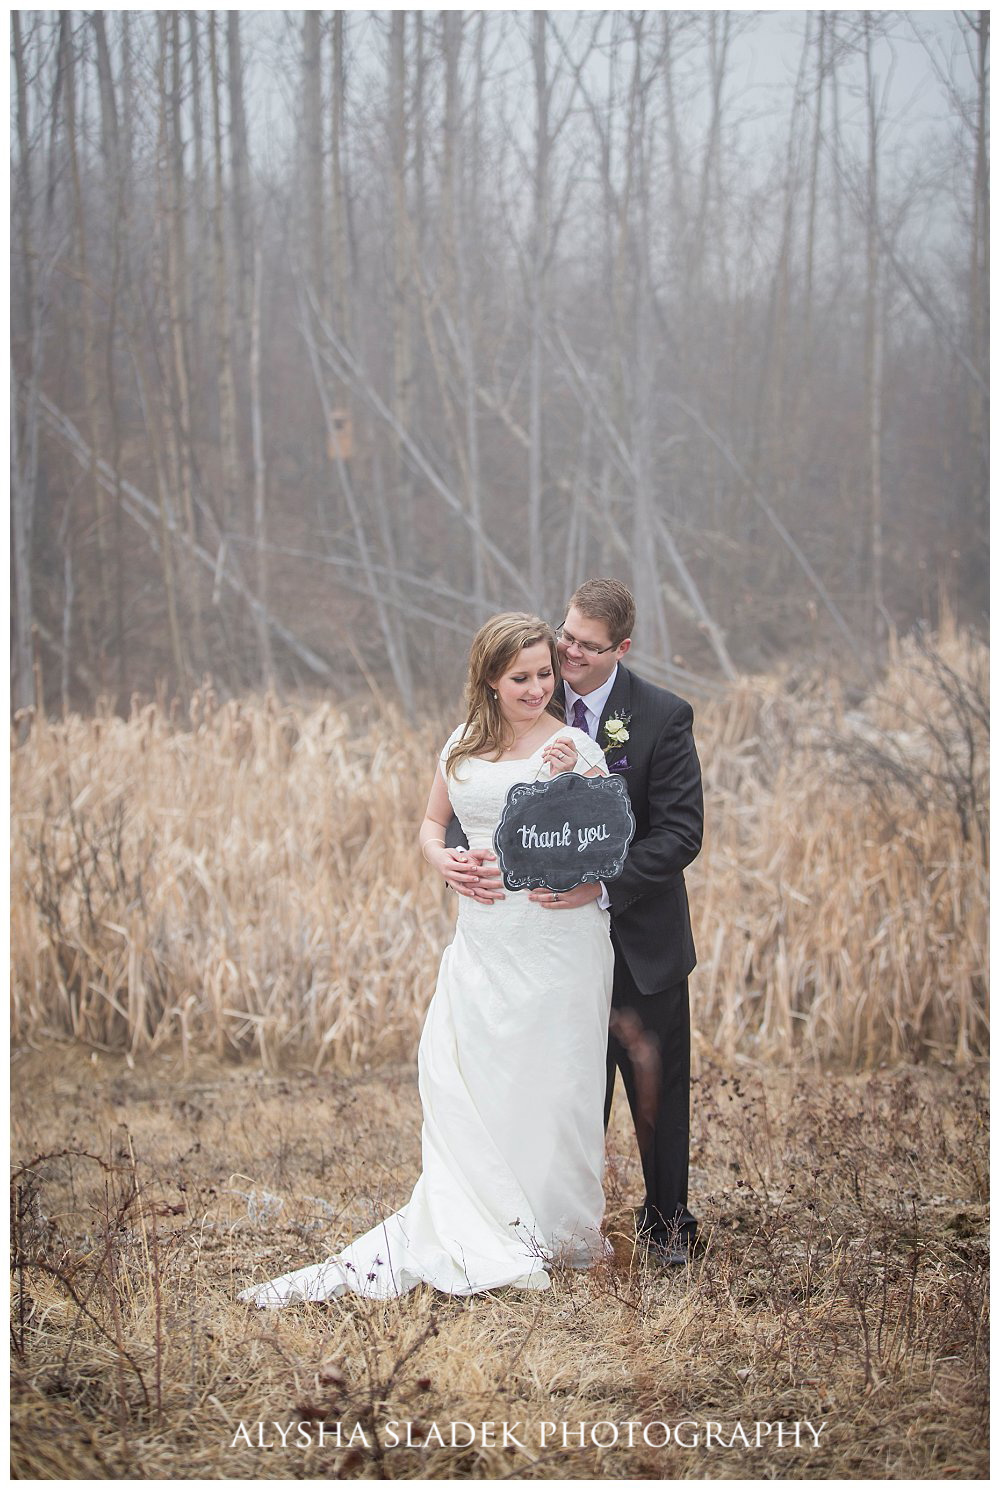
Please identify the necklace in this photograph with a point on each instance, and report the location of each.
(519, 738)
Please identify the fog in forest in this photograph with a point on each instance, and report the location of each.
(334, 333)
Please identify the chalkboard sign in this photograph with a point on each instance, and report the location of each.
(572, 830)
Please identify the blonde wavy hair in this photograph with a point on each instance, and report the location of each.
(494, 649)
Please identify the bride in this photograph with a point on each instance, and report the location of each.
(512, 1056)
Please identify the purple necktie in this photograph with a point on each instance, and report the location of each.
(580, 716)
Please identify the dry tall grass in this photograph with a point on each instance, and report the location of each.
(249, 881)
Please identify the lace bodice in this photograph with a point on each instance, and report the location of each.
(478, 789)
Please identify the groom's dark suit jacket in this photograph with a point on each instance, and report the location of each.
(650, 920)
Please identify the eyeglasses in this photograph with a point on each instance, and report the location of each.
(590, 647)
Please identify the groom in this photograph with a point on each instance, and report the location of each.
(645, 733)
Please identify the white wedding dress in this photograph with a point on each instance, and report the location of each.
(511, 1071)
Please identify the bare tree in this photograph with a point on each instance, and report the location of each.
(338, 202)
(259, 481)
(979, 272)
(228, 429)
(88, 329)
(239, 154)
(40, 255)
(511, 299)
(312, 146)
(874, 335)
(116, 196)
(173, 186)
(538, 302)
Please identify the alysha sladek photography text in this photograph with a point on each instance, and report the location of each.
(688, 1433)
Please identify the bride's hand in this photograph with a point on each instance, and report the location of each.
(560, 754)
(467, 872)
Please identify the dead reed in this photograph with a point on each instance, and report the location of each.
(249, 883)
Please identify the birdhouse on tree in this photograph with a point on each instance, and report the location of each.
(340, 435)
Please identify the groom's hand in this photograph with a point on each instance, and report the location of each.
(566, 900)
(467, 871)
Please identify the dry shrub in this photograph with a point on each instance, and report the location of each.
(250, 882)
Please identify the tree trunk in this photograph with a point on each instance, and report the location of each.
(259, 484)
(197, 122)
(115, 206)
(538, 308)
(402, 343)
(168, 526)
(651, 616)
(24, 432)
(873, 347)
(979, 303)
(338, 209)
(240, 189)
(199, 220)
(228, 436)
(312, 149)
(813, 194)
(97, 621)
(22, 516)
(177, 287)
(718, 56)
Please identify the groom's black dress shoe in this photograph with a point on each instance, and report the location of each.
(668, 1255)
(671, 1246)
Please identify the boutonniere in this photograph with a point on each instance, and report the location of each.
(616, 732)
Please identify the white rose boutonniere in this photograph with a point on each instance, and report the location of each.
(616, 732)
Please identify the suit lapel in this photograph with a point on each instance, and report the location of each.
(617, 702)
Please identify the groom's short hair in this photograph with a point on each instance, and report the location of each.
(606, 600)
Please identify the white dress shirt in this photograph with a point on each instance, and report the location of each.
(594, 705)
(592, 702)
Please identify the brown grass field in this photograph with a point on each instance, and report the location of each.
(844, 1282)
(222, 944)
